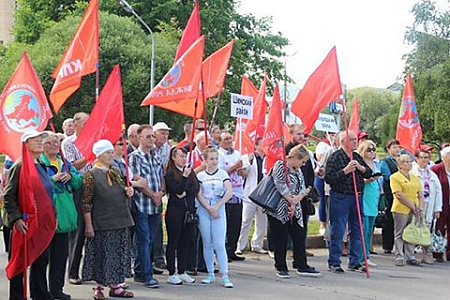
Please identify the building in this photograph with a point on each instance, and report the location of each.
(7, 9)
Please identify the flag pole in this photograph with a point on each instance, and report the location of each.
(240, 135)
(215, 109)
(356, 192)
(125, 155)
(52, 128)
(25, 273)
(204, 107)
(97, 80)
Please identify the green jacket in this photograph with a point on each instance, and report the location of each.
(63, 200)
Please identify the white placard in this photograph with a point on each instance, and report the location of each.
(241, 106)
(326, 123)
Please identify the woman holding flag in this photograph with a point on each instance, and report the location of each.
(108, 218)
(289, 218)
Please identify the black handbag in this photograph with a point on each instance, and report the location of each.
(190, 218)
(310, 209)
(266, 194)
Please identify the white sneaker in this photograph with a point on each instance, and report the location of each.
(208, 279)
(227, 282)
(372, 264)
(259, 251)
(186, 278)
(272, 254)
(174, 279)
(238, 252)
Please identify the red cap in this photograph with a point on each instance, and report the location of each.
(362, 135)
(426, 148)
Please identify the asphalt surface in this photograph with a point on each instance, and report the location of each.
(255, 278)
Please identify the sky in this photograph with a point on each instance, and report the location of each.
(368, 35)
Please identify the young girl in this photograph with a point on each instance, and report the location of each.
(215, 191)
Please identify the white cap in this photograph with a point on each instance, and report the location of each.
(161, 125)
(32, 134)
(101, 147)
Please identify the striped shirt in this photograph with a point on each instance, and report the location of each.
(149, 167)
(296, 186)
(71, 152)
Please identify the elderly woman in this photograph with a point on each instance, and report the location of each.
(182, 187)
(65, 183)
(443, 170)
(281, 224)
(215, 191)
(407, 200)
(15, 217)
(108, 218)
(371, 194)
(432, 194)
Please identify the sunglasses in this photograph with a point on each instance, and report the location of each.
(200, 129)
(370, 150)
(119, 144)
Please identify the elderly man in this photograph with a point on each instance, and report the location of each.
(76, 237)
(132, 138)
(443, 172)
(230, 161)
(68, 128)
(343, 209)
(145, 163)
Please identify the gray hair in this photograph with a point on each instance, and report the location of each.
(131, 128)
(67, 121)
(445, 152)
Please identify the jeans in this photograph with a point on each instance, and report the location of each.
(146, 226)
(342, 211)
(319, 183)
(213, 233)
(368, 223)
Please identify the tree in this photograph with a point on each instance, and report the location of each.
(373, 105)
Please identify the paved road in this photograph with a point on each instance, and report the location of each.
(255, 278)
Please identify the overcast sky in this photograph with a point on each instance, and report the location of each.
(369, 36)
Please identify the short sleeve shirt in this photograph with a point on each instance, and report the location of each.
(213, 185)
(409, 188)
(226, 160)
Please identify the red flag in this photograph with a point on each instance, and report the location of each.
(79, 59)
(249, 127)
(182, 81)
(354, 119)
(106, 120)
(409, 132)
(273, 140)
(321, 88)
(191, 33)
(185, 107)
(215, 68)
(38, 214)
(24, 105)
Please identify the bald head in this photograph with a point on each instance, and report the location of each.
(79, 120)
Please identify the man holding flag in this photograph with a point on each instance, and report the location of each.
(30, 213)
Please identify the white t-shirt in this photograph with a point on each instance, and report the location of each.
(322, 148)
(226, 161)
(213, 185)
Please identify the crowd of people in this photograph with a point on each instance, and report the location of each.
(110, 214)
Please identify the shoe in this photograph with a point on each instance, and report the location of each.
(75, 281)
(157, 271)
(98, 293)
(114, 293)
(272, 254)
(310, 254)
(138, 279)
(192, 272)
(174, 279)
(160, 265)
(357, 268)
(259, 251)
(387, 251)
(236, 258)
(238, 252)
(309, 272)
(61, 296)
(413, 262)
(399, 262)
(283, 274)
(227, 282)
(186, 278)
(336, 269)
(152, 283)
(440, 259)
(124, 285)
(373, 252)
(208, 279)
(371, 264)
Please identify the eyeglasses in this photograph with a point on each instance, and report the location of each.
(150, 136)
(424, 157)
(119, 144)
(370, 150)
(200, 129)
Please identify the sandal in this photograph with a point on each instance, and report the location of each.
(119, 292)
(98, 293)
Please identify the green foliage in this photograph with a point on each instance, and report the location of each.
(374, 104)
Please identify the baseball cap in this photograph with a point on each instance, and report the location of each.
(32, 134)
(161, 125)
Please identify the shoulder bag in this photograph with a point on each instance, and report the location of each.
(416, 232)
(266, 194)
(438, 241)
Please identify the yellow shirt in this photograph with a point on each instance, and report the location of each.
(56, 164)
(409, 188)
